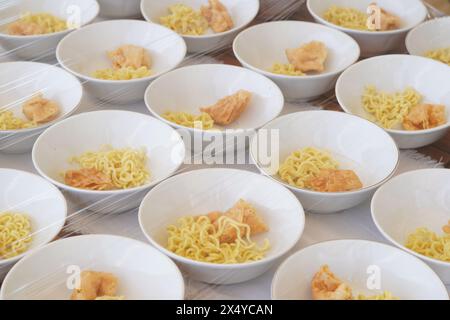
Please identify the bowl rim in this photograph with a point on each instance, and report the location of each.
(321, 20)
(411, 34)
(151, 77)
(54, 34)
(60, 225)
(201, 264)
(316, 193)
(300, 78)
(339, 85)
(212, 66)
(76, 82)
(94, 237)
(207, 36)
(146, 186)
(373, 210)
(350, 240)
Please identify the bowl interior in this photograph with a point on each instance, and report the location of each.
(32, 78)
(188, 89)
(345, 137)
(413, 200)
(143, 272)
(203, 191)
(410, 12)
(119, 129)
(251, 45)
(165, 47)
(432, 35)
(83, 11)
(34, 197)
(241, 11)
(358, 263)
(392, 74)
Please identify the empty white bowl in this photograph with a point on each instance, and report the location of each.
(202, 191)
(260, 46)
(119, 8)
(48, 274)
(119, 129)
(361, 264)
(356, 144)
(241, 11)
(190, 88)
(84, 51)
(414, 200)
(392, 73)
(372, 43)
(19, 82)
(43, 203)
(39, 47)
(431, 35)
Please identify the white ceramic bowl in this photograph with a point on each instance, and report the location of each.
(43, 203)
(89, 132)
(358, 263)
(42, 47)
(252, 50)
(202, 191)
(120, 8)
(394, 73)
(85, 50)
(411, 13)
(431, 35)
(356, 144)
(189, 88)
(19, 81)
(241, 11)
(414, 200)
(143, 273)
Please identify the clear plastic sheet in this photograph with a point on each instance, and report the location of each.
(355, 223)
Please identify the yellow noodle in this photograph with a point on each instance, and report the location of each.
(347, 18)
(442, 55)
(15, 234)
(389, 109)
(126, 167)
(428, 243)
(45, 22)
(8, 121)
(305, 164)
(286, 69)
(386, 295)
(185, 20)
(197, 238)
(202, 121)
(126, 73)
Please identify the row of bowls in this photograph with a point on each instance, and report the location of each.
(148, 273)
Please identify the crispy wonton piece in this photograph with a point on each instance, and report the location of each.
(446, 228)
(326, 286)
(309, 57)
(228, 109)
(95, 284)
(40, 110)
(424, 116)
(217, 16)
(331, 180)
(90, 179)
(388, 20)
(22, 28)
(130, 56)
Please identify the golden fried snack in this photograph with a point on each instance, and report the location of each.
(326, 286)
(90, 179)
(331, 180)
(130, 56)
(228, 109)
(22, 28)
(217, 16)
(446, 228)
(388, 20)
(309, 57)
(40, 110)
(95, 284)
(425, 116)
